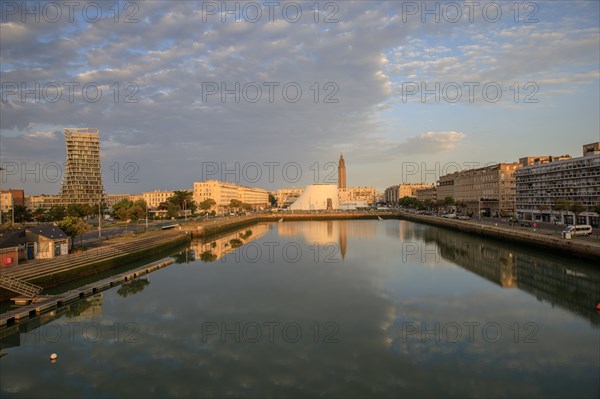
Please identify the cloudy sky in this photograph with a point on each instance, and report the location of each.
(269, 94)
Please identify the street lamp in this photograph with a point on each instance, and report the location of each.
(184, 209)
(99, 222)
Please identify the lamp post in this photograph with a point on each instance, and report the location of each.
(146, 216)
(184, 209)
(99, 222)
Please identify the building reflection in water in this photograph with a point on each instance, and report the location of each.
(328, 231)
(575, 287)
(209, 250)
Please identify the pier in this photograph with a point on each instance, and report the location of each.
(32, 307)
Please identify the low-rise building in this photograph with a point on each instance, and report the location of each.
(223, 192)
(17, 197)
(541, 185)
(33, 202)
(426, 194)
(286, 196)
(12, 247)
(393, 194)
(155, 198)
(6, 201)
(112, 199)
(489, 190)
(136, 197)
(48, 242)
(366, 195)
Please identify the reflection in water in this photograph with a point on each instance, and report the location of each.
(328, 231)
(197, 327)
(133, 287)
(210, 250)
(88, 307)
(84, 309)
(573, 285)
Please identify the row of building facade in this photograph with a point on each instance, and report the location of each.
(221, 192)
(531, 189)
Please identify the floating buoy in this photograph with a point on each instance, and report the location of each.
(598, 307)
(53, 356)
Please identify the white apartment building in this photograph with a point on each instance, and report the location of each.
(154, 198)
(539, 186)
(223, 192)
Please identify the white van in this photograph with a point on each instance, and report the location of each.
(579, 230)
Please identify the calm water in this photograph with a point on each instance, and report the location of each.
(326, 309)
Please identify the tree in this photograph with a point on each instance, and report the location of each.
(56, 213)
(438, 204)
(409, 202)
(172, 210)
(272, 200)
(129, 210)
(236, 243)
(22, 214)
(562, 204)
(183, 199)
(121, 209)
(39, 215)
(576, 208)
(461, 205)
(448, 201)
(207, 204)
(235, 204)
(79, 210)
(208, 256)
(133, 287)
(137, 211)
(73, 226)
(429, 204)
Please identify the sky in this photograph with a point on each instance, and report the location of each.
(269, 94)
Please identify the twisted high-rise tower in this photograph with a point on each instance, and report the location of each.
(82, 180)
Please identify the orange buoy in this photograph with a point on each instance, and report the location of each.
(598, 307)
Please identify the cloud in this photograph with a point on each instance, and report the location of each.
(42, 135)
(163, 60)
(431, 143)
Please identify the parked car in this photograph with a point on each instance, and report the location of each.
(525, 224)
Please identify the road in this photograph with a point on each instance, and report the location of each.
(91, 237)
(541, 227)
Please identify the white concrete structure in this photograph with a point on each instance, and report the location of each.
(316, 197)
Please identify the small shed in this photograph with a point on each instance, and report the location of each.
(48, 242)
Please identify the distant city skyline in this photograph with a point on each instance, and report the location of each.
(404, 97)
